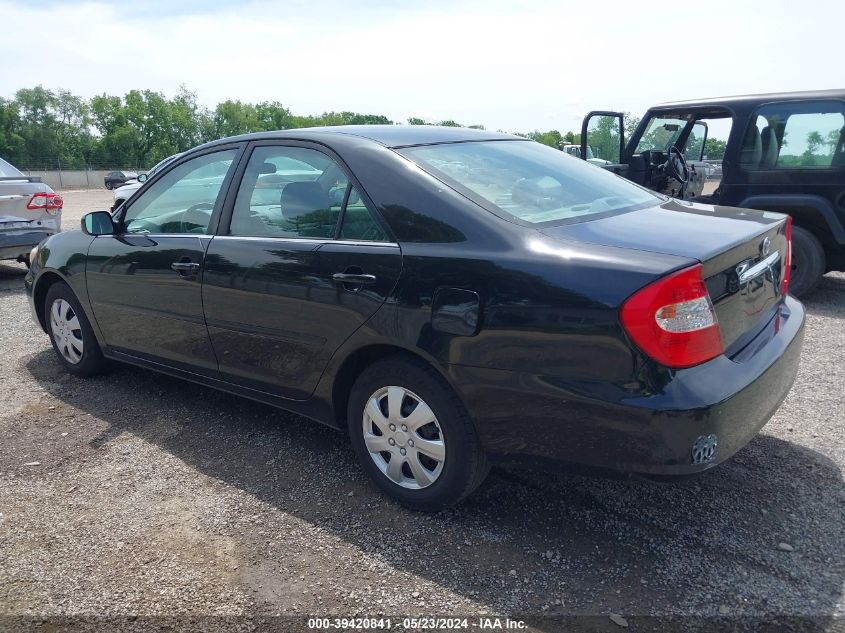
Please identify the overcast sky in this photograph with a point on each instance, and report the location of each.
(510, 65)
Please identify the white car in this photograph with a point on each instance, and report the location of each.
(29, 212)
(122, 194)
(575, 150)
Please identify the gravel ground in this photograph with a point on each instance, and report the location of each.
(137, 494)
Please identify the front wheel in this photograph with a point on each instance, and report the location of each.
(70, 332)
(413, 436)
(808, 262)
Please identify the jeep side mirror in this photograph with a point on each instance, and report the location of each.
(97, 223)
(604, 134)
(142, 177)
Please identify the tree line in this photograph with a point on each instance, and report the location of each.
(42, 128)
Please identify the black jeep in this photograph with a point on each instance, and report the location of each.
(784, 152)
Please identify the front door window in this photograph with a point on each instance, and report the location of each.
(182, 200)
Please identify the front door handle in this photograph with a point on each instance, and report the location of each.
(185, 267)
(354, 278)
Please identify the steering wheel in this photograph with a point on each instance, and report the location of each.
(195, 210)
(676, 165)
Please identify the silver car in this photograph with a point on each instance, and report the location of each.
(29, 212)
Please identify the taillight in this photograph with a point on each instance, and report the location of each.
(673, 321)
(787, 261)
(51, 202)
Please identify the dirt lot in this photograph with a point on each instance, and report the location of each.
(134, 493)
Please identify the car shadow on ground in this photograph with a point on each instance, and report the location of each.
(826, 299)
(524, 543)
(11, 275)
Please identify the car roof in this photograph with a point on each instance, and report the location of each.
(392, 136)
(756, 98)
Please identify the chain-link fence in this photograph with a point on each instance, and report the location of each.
(63, 177)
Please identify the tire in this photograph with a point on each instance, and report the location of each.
(445, 482)
(808, 262)
(85, 362)
(109, 186)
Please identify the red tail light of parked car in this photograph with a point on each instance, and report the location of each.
(787, 262)
(52, 202)
(673, 320)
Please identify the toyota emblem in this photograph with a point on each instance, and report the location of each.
(765, 246)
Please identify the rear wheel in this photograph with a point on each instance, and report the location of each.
(808, 262)
(71, 333)
(413, 436)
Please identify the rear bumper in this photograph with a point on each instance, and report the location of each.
(17, 243)
(638, 429)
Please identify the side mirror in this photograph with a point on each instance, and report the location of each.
(142, 178)
(97, 223)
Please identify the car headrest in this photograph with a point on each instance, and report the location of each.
(301, 198)
(752, 148)
(839, 151)
(769, 141)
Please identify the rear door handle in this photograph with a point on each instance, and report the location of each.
(354, 278)
(185, 267)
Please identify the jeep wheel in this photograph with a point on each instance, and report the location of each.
(808, 262)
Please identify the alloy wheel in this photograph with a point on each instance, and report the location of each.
(66, 331)
(403, 437)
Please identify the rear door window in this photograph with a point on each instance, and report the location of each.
(288, 192)
(798, 135)
(358, 222)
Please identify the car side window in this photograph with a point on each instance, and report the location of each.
(798, 135)
(358, 222)
(288, 192)
(183, 199)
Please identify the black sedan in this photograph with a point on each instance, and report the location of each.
(115, 179)
(451, 298)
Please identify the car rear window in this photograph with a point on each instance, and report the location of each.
(7, 171)
(529, 181)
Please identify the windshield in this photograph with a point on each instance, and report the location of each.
(529, 181)
(6, 170)
(661, 133)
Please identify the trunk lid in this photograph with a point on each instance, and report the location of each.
(743, 252)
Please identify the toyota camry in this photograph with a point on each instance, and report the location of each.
(451, 298)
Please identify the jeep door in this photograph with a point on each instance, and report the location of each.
(603, 140)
